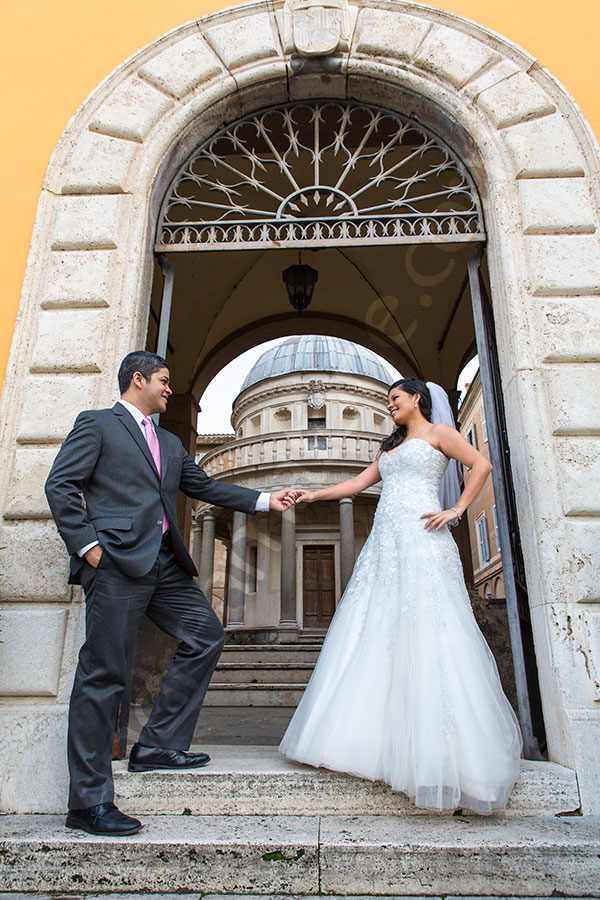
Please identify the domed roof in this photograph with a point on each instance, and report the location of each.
(316, 353)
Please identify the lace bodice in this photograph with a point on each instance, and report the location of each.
(411, 476)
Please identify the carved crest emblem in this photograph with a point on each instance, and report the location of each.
(317, 26)
(316, 394)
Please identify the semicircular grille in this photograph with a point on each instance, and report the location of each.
(322, 173)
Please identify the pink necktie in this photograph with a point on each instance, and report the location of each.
(155, 451)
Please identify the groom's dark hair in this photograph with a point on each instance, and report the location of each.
(139, 361)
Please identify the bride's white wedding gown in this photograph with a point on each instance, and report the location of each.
(406, 690)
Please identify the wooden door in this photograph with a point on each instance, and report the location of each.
(318, 585)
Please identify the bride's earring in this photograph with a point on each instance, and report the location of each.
(416, 404)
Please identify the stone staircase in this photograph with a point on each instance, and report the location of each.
(251, 823)
(262, 674)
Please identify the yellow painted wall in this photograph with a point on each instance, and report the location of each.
(54, 54)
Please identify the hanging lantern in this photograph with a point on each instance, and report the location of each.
(300, 282)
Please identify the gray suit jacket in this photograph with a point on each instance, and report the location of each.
(105, 487)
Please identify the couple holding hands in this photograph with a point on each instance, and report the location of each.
(405, 691)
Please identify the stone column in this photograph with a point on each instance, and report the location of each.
(346, 539)
(207, 555)
(196, 542)
(237, 570)
(288, 567)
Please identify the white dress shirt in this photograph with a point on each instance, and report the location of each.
(262, 503)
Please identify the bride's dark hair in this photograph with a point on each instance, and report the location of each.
(410, 386)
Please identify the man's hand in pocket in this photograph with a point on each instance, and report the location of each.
(93, 556)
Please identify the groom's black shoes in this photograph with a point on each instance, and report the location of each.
(104, 818)
(145, 759)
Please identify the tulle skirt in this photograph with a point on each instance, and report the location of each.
(406, 690)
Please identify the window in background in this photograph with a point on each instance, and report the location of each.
(483, 424)
(482, 536)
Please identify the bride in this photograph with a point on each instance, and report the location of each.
(406, 690)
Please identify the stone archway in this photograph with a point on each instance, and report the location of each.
(86, 297)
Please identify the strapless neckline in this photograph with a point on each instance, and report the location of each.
(414, 441)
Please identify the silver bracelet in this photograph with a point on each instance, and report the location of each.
(457, 512)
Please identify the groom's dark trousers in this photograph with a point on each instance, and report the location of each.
(104, 486)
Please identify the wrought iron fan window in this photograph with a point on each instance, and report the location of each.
(320, 173)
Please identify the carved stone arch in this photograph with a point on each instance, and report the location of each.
(279, 327)
(86, 297)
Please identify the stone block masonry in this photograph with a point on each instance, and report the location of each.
(85, 304)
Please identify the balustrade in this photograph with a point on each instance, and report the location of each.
(297, 447)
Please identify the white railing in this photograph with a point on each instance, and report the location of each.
(297, 447)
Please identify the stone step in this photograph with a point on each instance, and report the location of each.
(262, 673)
(360, 855)
(244, 780)
(194, 896)
(241, 693)
(271, 653)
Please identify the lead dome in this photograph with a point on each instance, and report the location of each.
(317, 353)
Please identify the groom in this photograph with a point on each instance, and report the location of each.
(113, 493)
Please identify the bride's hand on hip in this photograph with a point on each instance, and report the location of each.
(437, 520)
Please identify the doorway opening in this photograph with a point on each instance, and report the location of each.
(391, 219)
(318, 582)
